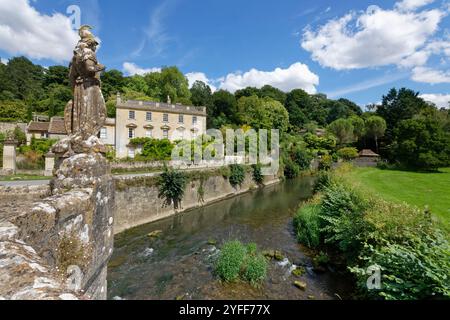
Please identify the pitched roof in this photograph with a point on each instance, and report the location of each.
(162, 107)
(57, 126)
(38, 126)
(368, 153)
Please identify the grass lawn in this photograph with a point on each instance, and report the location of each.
(419, 189)
(20, 177)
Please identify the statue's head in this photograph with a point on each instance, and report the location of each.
(85, 32)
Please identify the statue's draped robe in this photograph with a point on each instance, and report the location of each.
(85, 115)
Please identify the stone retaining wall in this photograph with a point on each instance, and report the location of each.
(138, 203)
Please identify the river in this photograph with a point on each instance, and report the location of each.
(178, 263)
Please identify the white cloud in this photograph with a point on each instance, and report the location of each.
(374, 38)
(441, 100)
(296, 76)
(408, 5)
(132, 69)
(429, 75)
(199, 76)
(24, 30)
(4, 61)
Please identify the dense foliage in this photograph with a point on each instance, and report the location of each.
(404, 242)
(153, 149)
(239, 261)
(237, 175)
(172, 184)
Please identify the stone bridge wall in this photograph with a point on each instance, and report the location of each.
(57, 246)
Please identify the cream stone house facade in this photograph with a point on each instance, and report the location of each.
(146, 119)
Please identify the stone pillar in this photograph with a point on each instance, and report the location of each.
(49, 164)
(9, 157)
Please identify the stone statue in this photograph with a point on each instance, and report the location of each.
(85, 115)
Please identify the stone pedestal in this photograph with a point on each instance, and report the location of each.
(49, 164)
(9, 157)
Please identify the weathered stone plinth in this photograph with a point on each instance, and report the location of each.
(9, 157)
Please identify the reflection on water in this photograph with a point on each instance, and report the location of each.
(177, 264)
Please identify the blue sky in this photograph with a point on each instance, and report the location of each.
(342, 48)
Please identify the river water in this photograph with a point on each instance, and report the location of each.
(178, 263)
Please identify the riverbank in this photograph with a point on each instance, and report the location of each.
(176, 262)
(394, 250)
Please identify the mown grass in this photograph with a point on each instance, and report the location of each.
(430, 190)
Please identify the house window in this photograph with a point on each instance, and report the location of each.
(194, 120)
(131, 153)
(148, 117)
(131, 133)
(132, 115)
(103, 133)
(149, 133)
(165, 133)
(180, 118)
(165, 117)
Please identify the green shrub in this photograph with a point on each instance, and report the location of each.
(237, 261)
(171, 186)
(348, 154)
(291, 169)
(230, 261)
(255, 269)
(237, 175)
(326, 162)
(324, 180)
(404, 242)
(342, 218)
(257, 174)
(153, 149)
(306, 223)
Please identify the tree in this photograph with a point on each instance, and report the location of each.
(421, 144)
(12, 111)
(342, 130)
(113, 82)
(337, 110)
(24, 79)
(274, 93)
(375, 128)
(297, 103)
(224, 110)
(352, 106)
(174, 84)
(398, 106)
(358, 126)
(201, 94)
(56, 75)
(264, 113)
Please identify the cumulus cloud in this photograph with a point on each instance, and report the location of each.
(132, 69)
(441, 100)
(296, 76)
(200, 76)
(4, 61)
(407, 5)
(25, 31)
(376, 37)
(429, 75)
